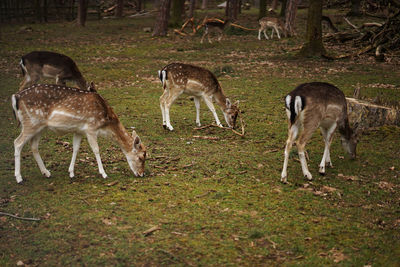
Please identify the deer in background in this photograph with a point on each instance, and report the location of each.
(213, 25)
(71, 110)
(178, 78)
(313, 105)
(39, 64)
(271, 22)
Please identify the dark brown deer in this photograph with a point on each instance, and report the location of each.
(179, 78)
(71, 110)
(313, 105)
(214, 26)
(38, 64)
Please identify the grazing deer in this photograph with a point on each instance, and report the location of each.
(213, 25)
(63, 109)
(311, 105)
(270, 22)
(178, 78)
(39, 64)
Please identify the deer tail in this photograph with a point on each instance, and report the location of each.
(294, 104)
(162, 74)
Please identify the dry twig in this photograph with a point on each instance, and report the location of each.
(17, 217)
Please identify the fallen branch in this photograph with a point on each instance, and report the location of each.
(226, 128)
(151, 230)
(351, 24)
(206, 137)
(17, 217)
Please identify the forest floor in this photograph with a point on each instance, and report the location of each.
(213, 202)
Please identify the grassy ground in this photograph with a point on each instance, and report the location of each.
(215, 202)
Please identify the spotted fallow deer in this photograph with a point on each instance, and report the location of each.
(313, 105)
(38, 64)
(178, 78)
(270, 22)
(71, 110)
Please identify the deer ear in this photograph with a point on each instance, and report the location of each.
(237, 103)
(228, 103)
(137, 142)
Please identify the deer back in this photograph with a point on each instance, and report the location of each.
(186, 76)
(323, 98)
(62, 107)
(51, 64)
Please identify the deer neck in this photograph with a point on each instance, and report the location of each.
(122, 137)
(220, 99)
(345, 131)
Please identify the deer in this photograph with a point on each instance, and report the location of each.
(178, 78)
(213, 25)
(270, 22)
(71, 110)
(313, 105)
(38, 64)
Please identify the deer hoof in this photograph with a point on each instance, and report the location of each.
(308, 175)
(46, 173)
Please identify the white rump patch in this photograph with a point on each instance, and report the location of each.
(287, 101)
(298, 105)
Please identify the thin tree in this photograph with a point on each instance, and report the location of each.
(313, 45)
(204, 4)
(263, 9)
(119, 9)
(231, 10)
(290, 16)
(82, 12)
(192, 6)
(178, 8)
(283, 8)
(161, 25)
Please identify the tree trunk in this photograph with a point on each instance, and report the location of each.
(313, 45)
(274, 4)
(177, 12)
(120, 8)
(355, 8)
(82, 12)
(290, 16)
(231, 10)
(161, 25)
(204, 4)
(263, 9)
(283, 8)
(191, 8)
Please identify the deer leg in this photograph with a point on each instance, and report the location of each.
(162, 106)
(326, 158)
(277, 32)
(301, 143)
(259, 34)
(265, 34)
(221, 32)
(92, 139)
(35, 150)
(18, 145)
(292, 134)
(76, 144)
(197, 104)
(204, 35)
(28, 80)
(210, 105)
(168, 103)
